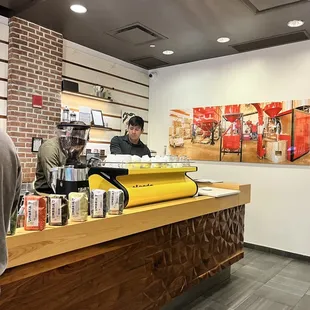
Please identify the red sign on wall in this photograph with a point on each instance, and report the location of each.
(37, 101)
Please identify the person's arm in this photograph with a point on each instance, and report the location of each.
(49, 158)
(115, 147)
(10, 183)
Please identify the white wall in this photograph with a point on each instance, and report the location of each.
(279, 214)
(4, 38)
(130, 83)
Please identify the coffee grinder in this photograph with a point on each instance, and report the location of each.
(73, 177)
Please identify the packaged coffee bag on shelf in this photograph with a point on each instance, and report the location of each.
(98, 203)
(78, 207)
(35, 213)
(58, 210)
(115, 201)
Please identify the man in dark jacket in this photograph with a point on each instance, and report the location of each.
(131, 144)
(10, 183)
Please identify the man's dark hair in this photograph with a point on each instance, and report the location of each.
(136, 121)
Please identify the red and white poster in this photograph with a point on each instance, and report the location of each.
(263, 132)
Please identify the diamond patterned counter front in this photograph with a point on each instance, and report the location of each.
(142, 271)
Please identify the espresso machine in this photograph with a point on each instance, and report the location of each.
(73, 176)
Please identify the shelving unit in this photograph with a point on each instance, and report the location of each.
(102, 100)
(105, 128)
(111, 112)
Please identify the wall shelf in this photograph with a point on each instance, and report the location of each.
(105, 128)
(83, 95)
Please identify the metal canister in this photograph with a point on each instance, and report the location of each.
(70, 174)
(82, 174)
(60, 173)
(53, 178)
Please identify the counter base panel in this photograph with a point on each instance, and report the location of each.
(143, 271)
(205, 288)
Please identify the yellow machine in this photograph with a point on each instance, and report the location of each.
(145, 185)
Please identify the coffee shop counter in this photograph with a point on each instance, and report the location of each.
(139, 260)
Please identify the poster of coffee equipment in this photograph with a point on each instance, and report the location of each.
(262, 132)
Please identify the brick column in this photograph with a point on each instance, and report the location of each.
(34, 68)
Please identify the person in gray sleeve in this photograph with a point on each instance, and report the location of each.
(10, 183)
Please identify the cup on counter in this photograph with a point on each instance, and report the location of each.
(119, 158)
(175, 161)
(156, 162)
(184, 161)
(135, 162)
(124, 160)
(145, 161)
(110, 160)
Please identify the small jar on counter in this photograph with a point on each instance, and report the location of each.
(72, 116)
(65, 114)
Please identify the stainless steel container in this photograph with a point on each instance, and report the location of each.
(53, 178)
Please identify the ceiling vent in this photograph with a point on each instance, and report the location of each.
(272, 41)
(149, 62)
(137, 34)
(260, 6)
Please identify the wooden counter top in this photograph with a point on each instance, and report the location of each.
(26, 247)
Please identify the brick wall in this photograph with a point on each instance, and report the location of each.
(34, 68)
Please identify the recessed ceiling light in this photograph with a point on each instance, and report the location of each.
(295, 23)
(77, 8)
(223, 40)
(168, 52)
(152, 45)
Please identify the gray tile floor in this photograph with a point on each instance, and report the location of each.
(262, 281)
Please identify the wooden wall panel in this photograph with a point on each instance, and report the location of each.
(4, 38)
(121, 98)
(2, 124)
(88, 68)
(112, 122)
(3, 70)
(88, 57)
(78, 72)
(99, 146)
(106, 135)
(3, 107)
(106, 107)
(3, 50)
(4, 30)
(3, 89)
(102, 135)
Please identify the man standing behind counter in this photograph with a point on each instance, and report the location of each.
(131, 144)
